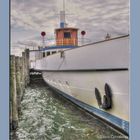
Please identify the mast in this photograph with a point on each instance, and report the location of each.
(63, 5)
(62, 16)
(66, 36)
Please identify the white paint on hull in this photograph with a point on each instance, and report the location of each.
(109, 54)
(81, 85)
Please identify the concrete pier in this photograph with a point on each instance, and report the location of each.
(19, 80)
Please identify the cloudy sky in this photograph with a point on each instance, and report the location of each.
(96, 17)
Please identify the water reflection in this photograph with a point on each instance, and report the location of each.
(46, 116)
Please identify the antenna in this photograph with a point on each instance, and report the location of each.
(63, 5)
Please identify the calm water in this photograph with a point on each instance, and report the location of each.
(47, 116)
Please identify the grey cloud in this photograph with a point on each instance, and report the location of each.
(97, 17)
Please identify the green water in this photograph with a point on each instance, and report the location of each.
(47, 116)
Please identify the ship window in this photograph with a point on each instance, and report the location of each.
(67, 35)
(53, 52)
(48, 53)
(43, 54)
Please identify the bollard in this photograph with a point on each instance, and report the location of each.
(13, 95)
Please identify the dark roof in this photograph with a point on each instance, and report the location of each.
(67, 28)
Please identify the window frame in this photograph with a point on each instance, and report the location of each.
(67, 35)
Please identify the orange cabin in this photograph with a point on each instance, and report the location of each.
(66, 36)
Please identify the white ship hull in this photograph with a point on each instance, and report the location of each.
(77, 72)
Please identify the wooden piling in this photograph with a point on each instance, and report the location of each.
(14, 112)
(19, 79)
(27, 66)
(18, 82)
(22, 77)
(23, 71)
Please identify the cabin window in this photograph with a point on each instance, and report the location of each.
(43, 54)
(67, 35)
(53, 52)
(48, 53)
